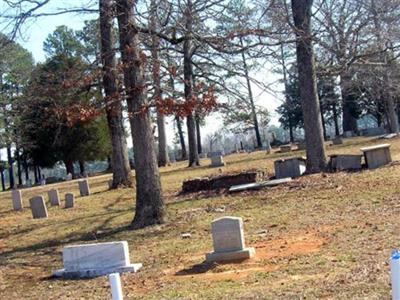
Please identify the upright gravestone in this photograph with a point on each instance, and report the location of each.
(69, 200)
(290, 167)
(17, 199)
(217, 161)
(228, 240)
(84, 189)
(38, 207)
(91, 260)
(54, 197)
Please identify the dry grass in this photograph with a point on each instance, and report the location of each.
(322, 236)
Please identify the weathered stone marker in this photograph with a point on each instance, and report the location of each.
(340, 162)
(69, 200)
(377, 156)
(337, 141)
(92, 260)
(228, 240)
(84, 187)
(17, 199)
(54, 197)
(38, 207)
(217, 161)
(289, 167)
(258, 185)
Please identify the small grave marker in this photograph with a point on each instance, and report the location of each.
(69, 200)
(217, 161)
(228, 240)
(54, 197)
(38, 207)
(84, 187)
(17, 199)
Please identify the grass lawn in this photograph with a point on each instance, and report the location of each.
(322, 236)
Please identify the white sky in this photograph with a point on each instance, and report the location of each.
(35, 34)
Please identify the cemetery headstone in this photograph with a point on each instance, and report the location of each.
(69, 177)
(228, 241)
(217, 161)
(376, 156)
(38, 207)
(54, 197)
(84, 189)
(341, 162)
(286, 148)
(92, 260)
(69, 200)
(17, 199)
(348, 134)
(290, 167)
(337, 141)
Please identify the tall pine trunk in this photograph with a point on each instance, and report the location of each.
(119, 159)
(10, 167)
(188, 78)
(349, 120)
(316, 157)
(181, 137)
(150, 207)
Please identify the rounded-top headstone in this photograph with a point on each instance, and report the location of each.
(69, 200)
(227, 233)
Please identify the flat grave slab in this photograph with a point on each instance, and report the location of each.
(341, 162)
(377, 156)
(290, 167)
(92, 260)
(258, 185)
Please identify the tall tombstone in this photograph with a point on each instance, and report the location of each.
(54, 197)
(69, 200)
(38, 207)
(228, 240)
(17, 199)
(84, 189)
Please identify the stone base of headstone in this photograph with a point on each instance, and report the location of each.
(93, 260)
(69, 200)
(230, 256)
(17, 200)
(290, 167)
(38, 207)
(377, 156)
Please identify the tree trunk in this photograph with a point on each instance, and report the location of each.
(69, 167)
(287, 99)
(39, 172)
(19, 167)
(323, 122)
(348, 105)
(10, 167)
(81, 167)
(163, 158)
(35, 173)
(251, 99)
(198, 135)
(316, 157)
(119, 157)
(335, 119)
(3, 181)
(26, 170)
(181, 137)
(150, 207)
(391, 106)
(291, 135)
(188, 80)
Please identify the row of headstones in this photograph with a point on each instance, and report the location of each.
(91, 260)
(38, 205)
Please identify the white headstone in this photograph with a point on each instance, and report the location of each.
(84, 187)
(54, 197)
(228, 240)
(69, 200)
(91, 260)
(69, 177)
(17, 199)
(38, 207)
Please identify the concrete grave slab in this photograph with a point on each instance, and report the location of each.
(17, 199)
(92, 260)
(258, 185)
(341, 162)
(228, 240)
(54, 197)
(38, 207)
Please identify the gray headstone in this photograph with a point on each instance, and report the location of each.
(340, 162)
(84, 189)
(228, 240)
(290, 167)
(17, 199)
(217, 161)
(69, 200)
(38, 207)
(54, 197)
(377, 156)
